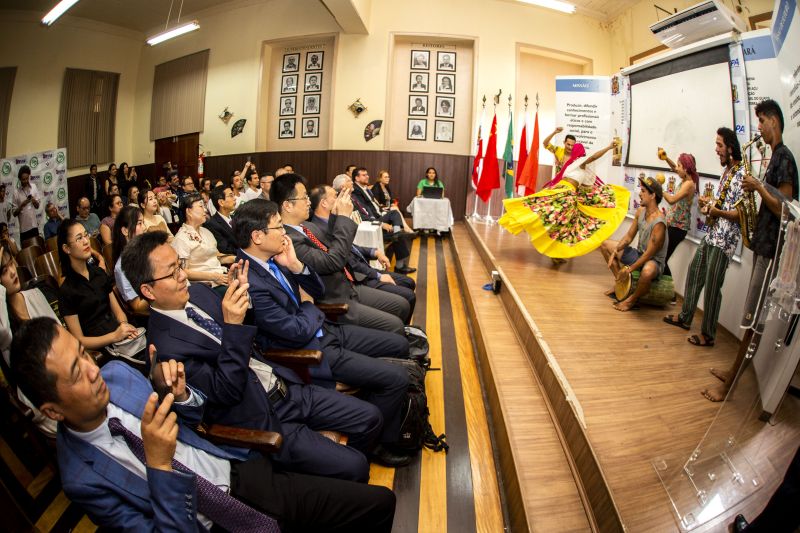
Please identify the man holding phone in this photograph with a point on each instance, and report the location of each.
(25, 203)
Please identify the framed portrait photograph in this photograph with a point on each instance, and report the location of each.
(311, 104)
(291, 62)
(443, 131)
(314, 60)
(313, 82)
(288, 105)
(310, 127)
(289, 84)
(418, 82)
(446, 61)
(420, 59)
(445, 106)
(417, 129)
(286, 128)
(418, 105)
(446, 83)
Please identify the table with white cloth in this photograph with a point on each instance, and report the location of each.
(370, 235)
(431, 213)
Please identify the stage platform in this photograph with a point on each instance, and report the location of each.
(621, 389)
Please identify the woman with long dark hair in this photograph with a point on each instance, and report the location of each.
(431, 179)
(111, 208)
(129, 224)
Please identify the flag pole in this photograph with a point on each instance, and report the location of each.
(475, 216)
(489, 219)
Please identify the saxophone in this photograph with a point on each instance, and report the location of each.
(746, 206)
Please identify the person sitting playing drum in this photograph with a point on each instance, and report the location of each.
(649, 255)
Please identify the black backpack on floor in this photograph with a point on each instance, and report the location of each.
(415, 430)
(418, 346)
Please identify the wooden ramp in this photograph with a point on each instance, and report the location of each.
(622, 388)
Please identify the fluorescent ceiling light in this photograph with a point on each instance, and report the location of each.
(174, 32)
(564, 7)
(57, 11)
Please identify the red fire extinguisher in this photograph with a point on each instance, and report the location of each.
(200, 159)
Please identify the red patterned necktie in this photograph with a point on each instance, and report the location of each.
(219, 506)
(324, 248)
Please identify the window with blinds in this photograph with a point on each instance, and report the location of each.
(7, 75)
(179, 96)
(88, 116)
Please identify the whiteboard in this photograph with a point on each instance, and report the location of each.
(680, 112)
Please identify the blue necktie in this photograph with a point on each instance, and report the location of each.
(220, 507)
(285, 284)
(207, 324)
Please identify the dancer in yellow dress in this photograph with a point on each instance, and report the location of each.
(573, 214)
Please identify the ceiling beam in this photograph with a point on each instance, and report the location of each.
(351, 15)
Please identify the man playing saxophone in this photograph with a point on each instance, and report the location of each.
(780, 183)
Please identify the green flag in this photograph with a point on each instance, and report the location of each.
(508, 158)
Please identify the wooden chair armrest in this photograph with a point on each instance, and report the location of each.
(293, 357)
(333, 310)
(262, 441)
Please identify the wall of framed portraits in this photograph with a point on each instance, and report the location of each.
(431, 94)
(296, 94)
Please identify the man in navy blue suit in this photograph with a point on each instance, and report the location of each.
(284, 321)
(193, 326)
(117, 446)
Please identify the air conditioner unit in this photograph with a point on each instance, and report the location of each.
(704, 20)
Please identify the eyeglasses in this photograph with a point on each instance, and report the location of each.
(81, 237)
(280, 228)
(174, 274)
(299, 198)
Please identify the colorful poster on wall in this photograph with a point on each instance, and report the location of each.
(785, 36)
(48, 173)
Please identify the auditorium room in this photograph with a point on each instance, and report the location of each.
(423, 266)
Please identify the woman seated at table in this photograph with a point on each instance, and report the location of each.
(383, 195)
(431, 179)
(129, 224)
(197, 246)
(152, 220)
(111, 206)
(85, 299)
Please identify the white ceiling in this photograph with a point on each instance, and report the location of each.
(146, 15)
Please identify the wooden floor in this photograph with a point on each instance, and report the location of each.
(636, 380)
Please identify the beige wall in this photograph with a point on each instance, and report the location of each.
(41, 56)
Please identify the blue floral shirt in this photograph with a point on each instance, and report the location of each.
(725, 233)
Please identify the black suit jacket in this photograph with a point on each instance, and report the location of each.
(358, 261)
(329, 265)
(363, 203)
(383, 198)
(226, 240)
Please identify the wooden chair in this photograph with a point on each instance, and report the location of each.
(134, 317)
(24, 274)
(52, 245)
(108, 258)
(96, 245)
(48, 264)
(27, 257)
(34, 241)
(42, 279)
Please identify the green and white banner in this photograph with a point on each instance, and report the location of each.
(48, 173)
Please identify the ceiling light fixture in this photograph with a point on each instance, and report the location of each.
(564, 7)
(174, 32)
(59, 9)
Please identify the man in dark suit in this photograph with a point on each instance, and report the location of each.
(193, 326)
(283, 321)
(219, 225)
(368, 307)
(391, 221)
(116, 446)
(93, 190)
(323, 201)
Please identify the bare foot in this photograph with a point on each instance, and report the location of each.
(628, 304)
(722, 375)
(715, 394)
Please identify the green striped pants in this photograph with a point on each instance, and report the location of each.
(707, 269)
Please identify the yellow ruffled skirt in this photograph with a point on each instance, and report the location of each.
(565, 222)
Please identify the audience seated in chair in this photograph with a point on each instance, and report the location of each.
(368, 307)
(138, 486)
(53, 220)
(152, 220)
(127, 226)
(207, 334)
(112, 206)
(283, 321)
(90, 221)
(219, 224)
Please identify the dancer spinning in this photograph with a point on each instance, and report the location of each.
(573, 214)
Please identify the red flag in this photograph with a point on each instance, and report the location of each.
(523, 152)
(477, 162)
(490, 173)
(530, 173)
